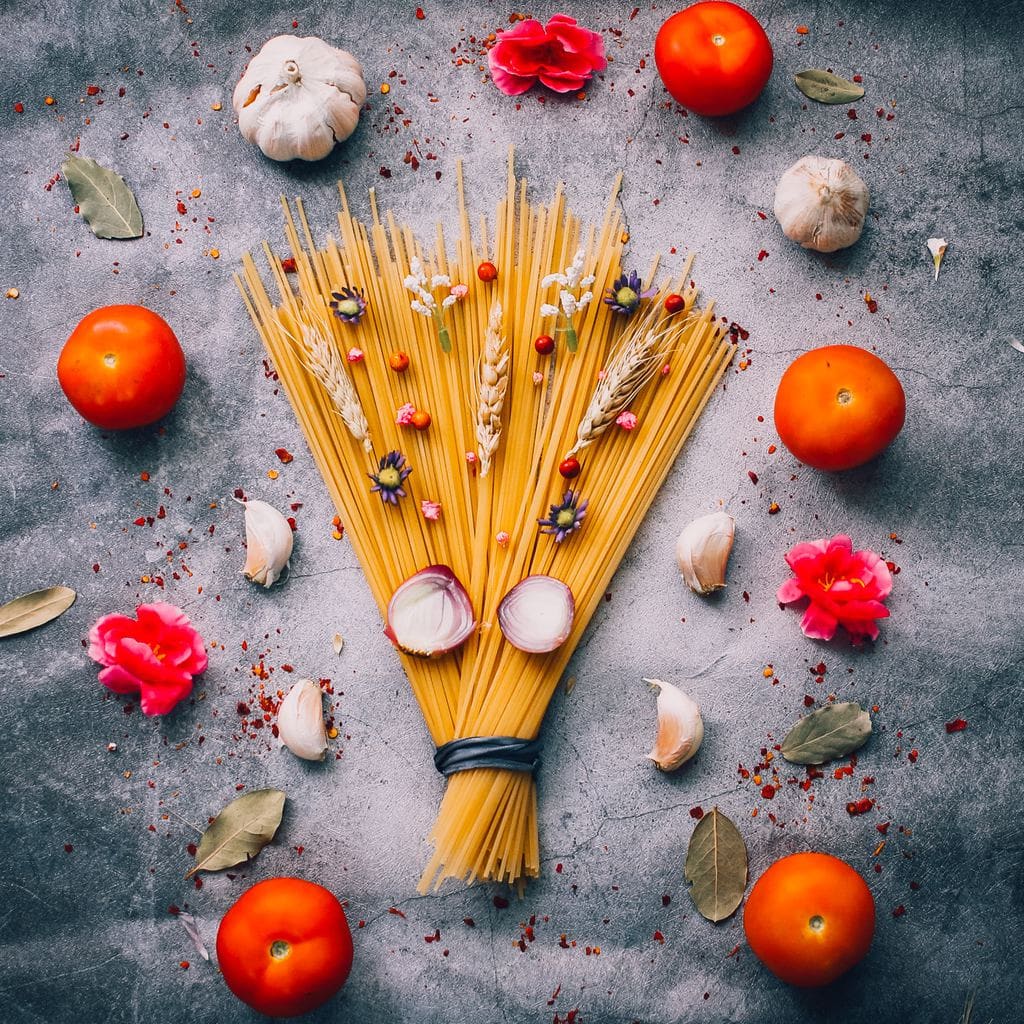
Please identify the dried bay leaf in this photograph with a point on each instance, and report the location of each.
(240, 831)
(824, 87)
(104, 200)
(830, 732)
(35, 609)
(716, 866)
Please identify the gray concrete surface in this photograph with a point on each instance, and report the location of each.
(85, 930)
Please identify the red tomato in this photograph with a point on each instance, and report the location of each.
(122, 367)
(284, 947)
(838, 406)
(809, 918)
(714, 58)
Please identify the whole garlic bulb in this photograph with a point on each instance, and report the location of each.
(268, 542)
(702, 551)
(821, 203)
(680, 727)
(298, 97)
(300, 721)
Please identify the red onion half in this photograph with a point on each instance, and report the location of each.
(430, 613)
(536, 614)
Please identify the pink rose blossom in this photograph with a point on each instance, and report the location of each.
(460, 291)
(538, 377)
(405, 414)
(471, 458)
(626, 420)
(502, 537)
(561, 55)
(431, 510)
(155, 656)
(355, 355)
(845, 588)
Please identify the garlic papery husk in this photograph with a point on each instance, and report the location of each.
(937, 247)
(300, 721)
(680, 727)
(821, 203)
(269, 540)
(702, 551)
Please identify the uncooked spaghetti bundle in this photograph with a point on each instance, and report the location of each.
(492, 443)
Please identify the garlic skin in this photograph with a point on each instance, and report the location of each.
(269, 541)
(821, 203)
(937, 247)
(680, 727)
(702, 551)
(300, 721)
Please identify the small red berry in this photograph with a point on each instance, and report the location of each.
(569, 468)
(674, 303)
(545, 344)
(421, 419)
(399, 362)
(487, 272)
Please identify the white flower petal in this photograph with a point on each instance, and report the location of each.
(547, 282)
(411, 283)
(440, 279)
(587, 281)
(448, 301)
(584, 300)
(548, 310)
(418, 307)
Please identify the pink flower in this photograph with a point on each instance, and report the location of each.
(471, 458)
(405, 414)
(562, 54)
(460, 291)
(431, 510)
(156, 656)
(355, 355)
(502, 537)
(626, 420)
(845, 587)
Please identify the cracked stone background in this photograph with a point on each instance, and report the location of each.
(86, 934)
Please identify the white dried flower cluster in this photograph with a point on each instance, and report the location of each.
(425, 304)
(571, 279)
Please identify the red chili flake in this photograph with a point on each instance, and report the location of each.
(697, 812)
(899, 911)
(957, 725)
(861, 806)
(396, 912)
(761, 255)
(183, 965)
(419, 14)
(92, 90)
(763, 216)
(361, 924)
(182, 208)
(500, 902)
(288, 265)
(752, 475)
(68, 848)
(666, 900)
(284, 455)
(436, 937)
(558, 869)
(913, 756)
(287, 668)
(19, 108)
(192, 849)
(866, 137)
(774, 508)
(802, 30)
(736, 150)
(385, 172)
(746, 596)
(469, 922)
(808, 700)
(852, 114)
(768, 792)
(915, 886)
(243, 708)
(658, 937)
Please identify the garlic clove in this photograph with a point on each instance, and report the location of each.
(300, 721)
(269, 540)
(821, 203)
(702, 551)
(937, 247)
(680, 727)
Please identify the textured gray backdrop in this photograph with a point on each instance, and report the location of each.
(95, 842)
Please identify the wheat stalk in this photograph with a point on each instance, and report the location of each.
(637, 360)
(321, 357)
(492, 382)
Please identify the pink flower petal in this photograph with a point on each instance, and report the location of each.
(560, 81)
(789, 592)
(510, 84)
(161, 699)
(119, 679)
(818, 624)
